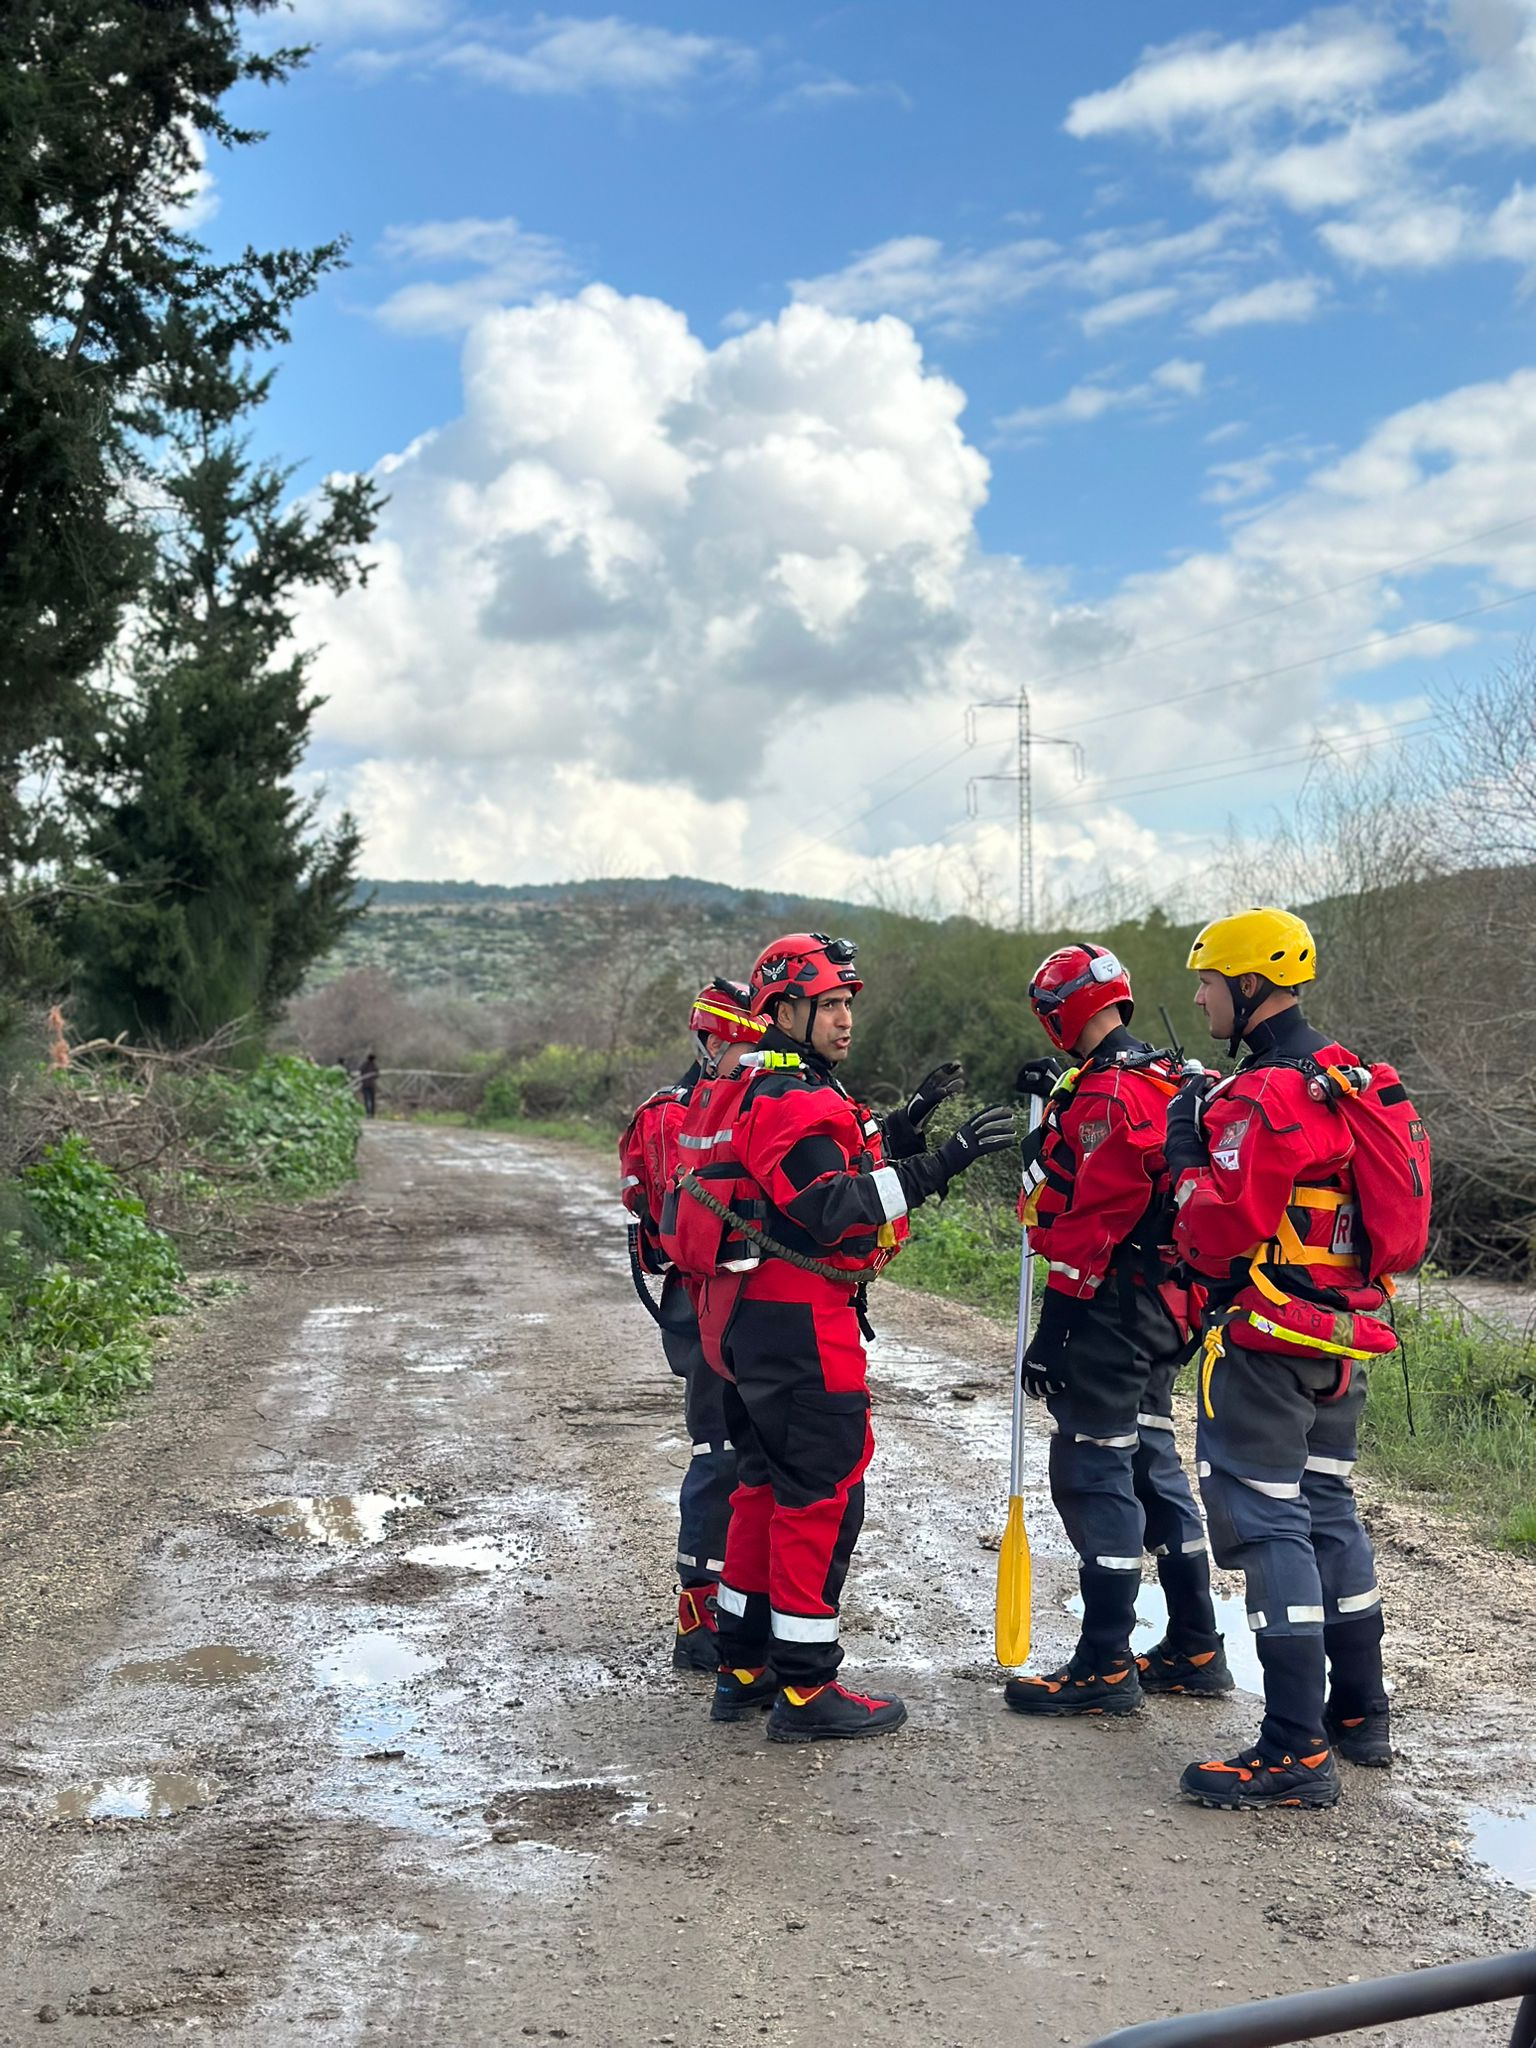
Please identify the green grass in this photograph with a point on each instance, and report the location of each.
(965, 1252)
(1472, 1443)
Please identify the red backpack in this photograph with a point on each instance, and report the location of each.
(693, 1237)
(1390, 1164)
(645, 1164)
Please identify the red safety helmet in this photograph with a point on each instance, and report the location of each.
(804, 964)
(1073, 984)
(723, 1009)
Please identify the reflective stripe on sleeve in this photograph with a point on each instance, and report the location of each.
(804, 1628)
(630, 1180)
(703, 1144)
(1066, 1272)
(893, 1201)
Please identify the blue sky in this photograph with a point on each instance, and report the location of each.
(1234, 300)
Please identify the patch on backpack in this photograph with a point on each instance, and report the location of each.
(1092, 1135)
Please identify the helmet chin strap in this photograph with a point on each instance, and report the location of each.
(1243, 1008)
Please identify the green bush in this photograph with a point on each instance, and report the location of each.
(72, 1324)
(559, 1081)
(290, 1125)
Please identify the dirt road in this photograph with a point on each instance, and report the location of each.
(374, 1590)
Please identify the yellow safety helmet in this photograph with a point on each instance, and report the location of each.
(1274, 943)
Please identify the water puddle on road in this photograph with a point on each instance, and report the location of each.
(374, 1661)
(335, 1521)
(1506, 1843)
(475, 1554)
(155, 1796)
(1231, 1619)
(209, 1664)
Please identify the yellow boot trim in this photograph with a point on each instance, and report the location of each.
(797, 1697)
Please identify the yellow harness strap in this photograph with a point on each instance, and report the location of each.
(1310, 1343)
(1215, 1344)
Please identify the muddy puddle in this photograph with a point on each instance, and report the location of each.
(334, 1521)
(156, 1795)
(474, 1554)
(374, 1661)
(208, 1664)
(1231, 1619)
(1505, 1843)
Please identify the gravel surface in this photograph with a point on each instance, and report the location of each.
(335, 1702)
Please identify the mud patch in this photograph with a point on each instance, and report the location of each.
(209, 1664)
(400, 1584)
(334, 1521)
(559, 1813)
(157, 1795)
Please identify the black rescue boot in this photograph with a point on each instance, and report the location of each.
(1202, 1674)
(1364, 1739)
(1259, 1779)
(1088, 1685)
(830, 1713)
(742, 1693)
(696, 1647)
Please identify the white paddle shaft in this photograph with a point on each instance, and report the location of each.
(1026, 1305)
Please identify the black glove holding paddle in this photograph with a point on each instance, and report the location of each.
(1184, 1144)
(1039, 1077)
(1046, 1366)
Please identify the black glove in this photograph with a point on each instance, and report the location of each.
(1184, 1144)
(1046, 1368)
(945, 1080)
(1039, 1077)
(990, 1130)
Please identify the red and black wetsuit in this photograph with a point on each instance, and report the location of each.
(798, 1402)
(1096, 1206)
(648, 1155)
(1269, 1221)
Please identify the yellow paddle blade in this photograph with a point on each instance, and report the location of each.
(1012, 1631)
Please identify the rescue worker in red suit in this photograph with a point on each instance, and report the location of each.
(723, 1027)
(1263, 1192)
(797, 1403)
(1112, 1334)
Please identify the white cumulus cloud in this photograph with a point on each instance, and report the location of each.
(1178, 378)
(653, 606)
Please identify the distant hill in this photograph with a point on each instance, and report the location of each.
(495, 942)
(676, 891)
